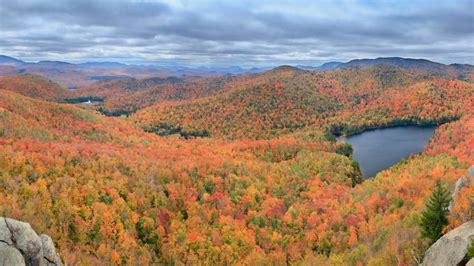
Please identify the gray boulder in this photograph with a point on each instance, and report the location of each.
(49, 252)
(470, 263)
(20, 245)
(5, 234)
(450, 249)
(10, 255)
(26, 240)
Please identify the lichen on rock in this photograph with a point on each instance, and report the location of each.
(20, 245)
(451, 249)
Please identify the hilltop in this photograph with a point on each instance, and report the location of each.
(33, 86)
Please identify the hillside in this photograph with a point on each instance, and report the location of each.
(84, 147)
(24, 117)
(287, 100)
(249, 110)
(33, 86)
(127, 96)
(107, 89)
(107, 192)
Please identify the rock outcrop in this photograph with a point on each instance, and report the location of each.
(451, 249)
(465, 181)
(20, 245)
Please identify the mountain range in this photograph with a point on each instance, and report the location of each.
(73, 76)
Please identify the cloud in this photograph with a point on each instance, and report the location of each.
(241, 33)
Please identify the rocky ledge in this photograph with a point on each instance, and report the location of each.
(451, 249)
(20, 245)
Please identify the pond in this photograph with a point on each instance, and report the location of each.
(378, 149)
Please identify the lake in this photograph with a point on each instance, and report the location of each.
(378, 149)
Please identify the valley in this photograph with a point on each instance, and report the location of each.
(157, 132)
(235, 169)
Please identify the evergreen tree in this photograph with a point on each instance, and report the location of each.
(435, 216)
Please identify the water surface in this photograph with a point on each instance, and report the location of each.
(378, 149)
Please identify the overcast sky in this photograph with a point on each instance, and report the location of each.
(247, 33)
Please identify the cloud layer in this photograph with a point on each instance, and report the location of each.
(236, 32)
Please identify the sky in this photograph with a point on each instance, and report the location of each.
(246, 33)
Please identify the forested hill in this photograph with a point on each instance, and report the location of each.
(245, 172)
(34, 86)
(346, 100)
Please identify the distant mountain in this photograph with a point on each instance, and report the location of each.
(285, 68)
(7, 60)
(72, 75)
(234, 70)
(108, 78)
(257, 69)
(75, 75)
(229, 69)
(457, 71)
(406, 63)
(323, 67)
(54, 63)
(103, 64)
(330, 65)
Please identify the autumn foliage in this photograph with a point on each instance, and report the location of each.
(33, 86)
(268, 185)
(344, 101)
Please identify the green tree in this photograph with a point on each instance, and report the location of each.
(435, 216)
(470, 251)
(147, 234)
(344, 148)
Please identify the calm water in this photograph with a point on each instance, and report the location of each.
(376, 150)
